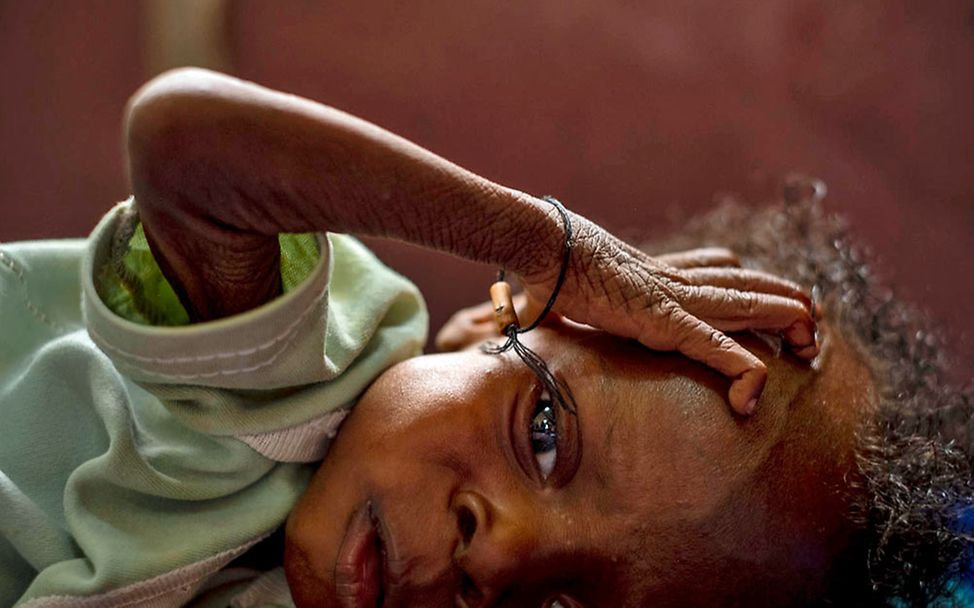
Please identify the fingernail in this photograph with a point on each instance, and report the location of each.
(816, 307)
(751, 405)
(807, 352)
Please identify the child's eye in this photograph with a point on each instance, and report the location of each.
(544, 434)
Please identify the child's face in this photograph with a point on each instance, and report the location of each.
(657, 493)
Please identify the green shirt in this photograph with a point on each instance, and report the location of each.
(137, 460)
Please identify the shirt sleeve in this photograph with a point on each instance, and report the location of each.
(183, 446)
(346, 321)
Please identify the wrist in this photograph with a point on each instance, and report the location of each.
(538, 251)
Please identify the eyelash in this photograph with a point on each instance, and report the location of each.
(543, 433)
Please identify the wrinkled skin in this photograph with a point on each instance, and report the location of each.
(616, 287)
(220, 167)
(668, 498)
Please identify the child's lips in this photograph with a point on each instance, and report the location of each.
(360, 567)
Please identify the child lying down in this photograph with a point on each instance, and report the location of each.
(157, 438)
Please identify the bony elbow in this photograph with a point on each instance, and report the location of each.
(167, 98)
(165, 120)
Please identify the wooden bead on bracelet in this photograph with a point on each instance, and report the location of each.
(502, 298)
(509, 326)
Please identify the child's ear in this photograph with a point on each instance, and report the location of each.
(469, 326)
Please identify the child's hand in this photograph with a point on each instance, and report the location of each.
(681, 302)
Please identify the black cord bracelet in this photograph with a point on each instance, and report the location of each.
(509, 326)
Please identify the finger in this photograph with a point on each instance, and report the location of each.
(465, 326)
(748, 280)
(481, 313)
(733, 310)
(701, 342)
(451, 337)
(698, 258)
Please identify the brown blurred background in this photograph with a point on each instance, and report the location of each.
(636, 114)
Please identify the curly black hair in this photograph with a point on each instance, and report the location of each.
(915, 465)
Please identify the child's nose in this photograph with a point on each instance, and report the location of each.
(495, 543)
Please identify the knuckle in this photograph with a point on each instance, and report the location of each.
(666, 308)
(667, 333)
(717, 340)
(752, 304)
(666, 289)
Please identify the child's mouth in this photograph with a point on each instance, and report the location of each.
(361, 569)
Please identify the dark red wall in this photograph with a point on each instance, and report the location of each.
(635, 114)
